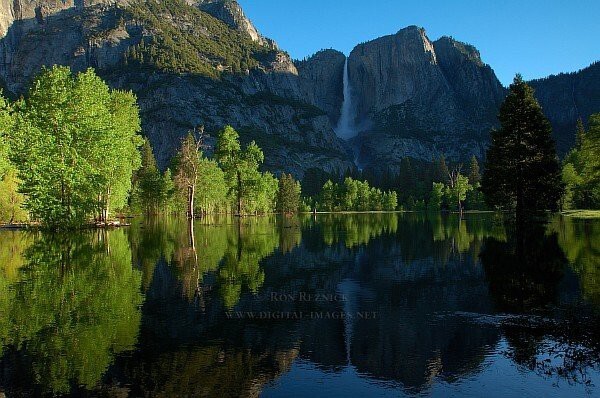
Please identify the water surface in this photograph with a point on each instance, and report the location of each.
(332, 305)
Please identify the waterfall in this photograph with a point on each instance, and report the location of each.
(346, 128)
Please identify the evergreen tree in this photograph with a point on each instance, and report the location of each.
(149, 183)
(288, 197)
(522, 171)
(441, 171)
(474, 176)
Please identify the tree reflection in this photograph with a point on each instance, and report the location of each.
(580, 241)
(74, 305)
(551, 337)
(356, 229)
(224, 249)
(523, 272)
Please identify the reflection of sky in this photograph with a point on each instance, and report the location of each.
(499, 377)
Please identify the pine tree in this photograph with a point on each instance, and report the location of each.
(149, 184)
(474, 176)
(522, 172)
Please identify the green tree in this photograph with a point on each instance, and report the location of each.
(6, 124)
(121, 156)
(522, 172)
(457, 188)
(436, 197)
(390, 201)
(246, 183)
(581, 168)
(327, 196)
(288, 195)
(74, 143)
(11, 200)
(213, 193)
(188, 168)
(149, 190)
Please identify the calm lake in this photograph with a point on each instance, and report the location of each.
(326, 305)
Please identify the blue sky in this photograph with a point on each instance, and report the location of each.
(533, 37)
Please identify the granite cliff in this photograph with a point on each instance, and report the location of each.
(202, 62)
(567, 97)
(190, 63)
(419, 98)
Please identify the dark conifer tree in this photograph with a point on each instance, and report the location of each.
(474, 176)
(522, 172)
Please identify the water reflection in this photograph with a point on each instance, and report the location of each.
(73, 304)
(412, 303)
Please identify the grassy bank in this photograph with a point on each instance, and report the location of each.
(582, 213)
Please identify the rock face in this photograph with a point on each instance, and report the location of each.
(245, 81)
(322, 79)
(420, 99)
(202, 62)
(230, 12)
(566, 98)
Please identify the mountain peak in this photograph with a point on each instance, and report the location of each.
(446, 43)
(230, 12)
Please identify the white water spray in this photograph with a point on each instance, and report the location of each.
(346, 128)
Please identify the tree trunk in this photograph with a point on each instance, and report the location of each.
(191, 194)
(106, 205)
(239, 193)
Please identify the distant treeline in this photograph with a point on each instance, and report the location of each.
(417, 186)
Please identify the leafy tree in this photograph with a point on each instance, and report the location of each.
(288, 196)
(522, 173)
(390, 201)
(213, 193)
(6, 124)
(328, 196)
(11, 200)
(436, 197)
(74, 143)
(122, 156)
(457, 188)
(261, 197)
(581, 168)
(354, 195)
(246, 183)
(188, 168)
